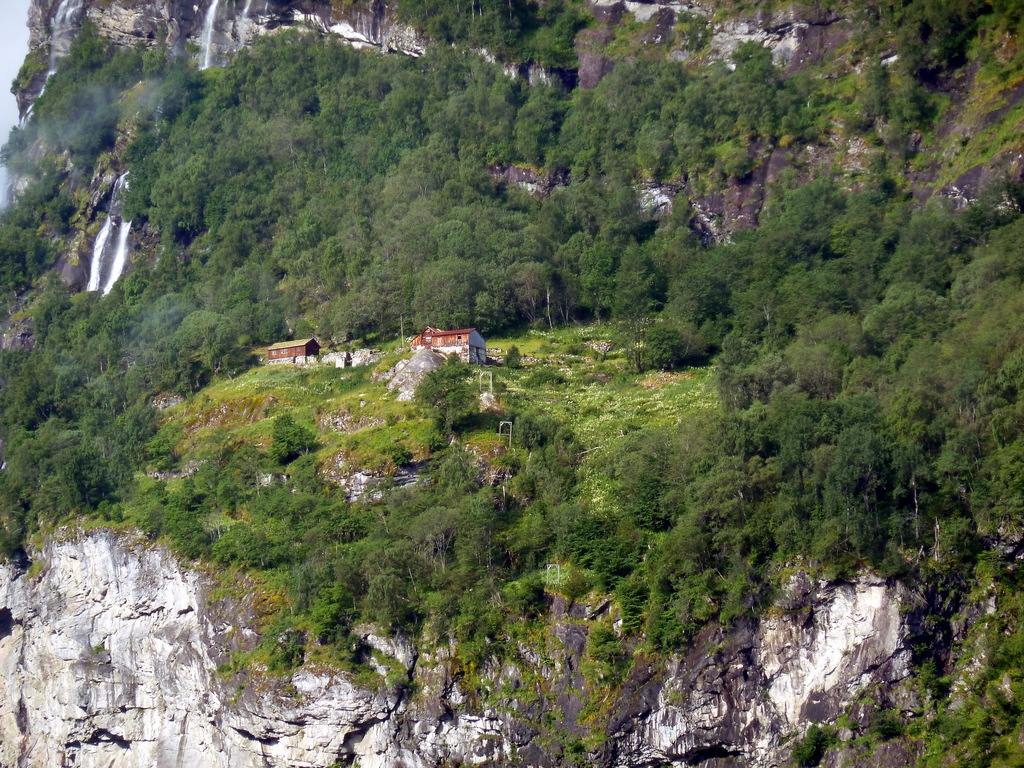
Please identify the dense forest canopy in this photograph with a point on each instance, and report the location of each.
(867, 349)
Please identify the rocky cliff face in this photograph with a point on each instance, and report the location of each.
(224, 26)
(109, 656)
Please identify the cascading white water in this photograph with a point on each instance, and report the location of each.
(206, 41)
(97, 255)
(63, 20)
(101, 247)
(120, 257)
(243, 24)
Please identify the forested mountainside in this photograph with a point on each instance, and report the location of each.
(751, 276)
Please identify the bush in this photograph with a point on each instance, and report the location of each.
(576, 585)
(288, 652)
(545, 376)
(160, 450)
(447, 395)
(526, 596)
(604, 645)
(290, 440)
(812, 747)
(886, 724)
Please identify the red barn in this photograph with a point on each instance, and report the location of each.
(467, 343)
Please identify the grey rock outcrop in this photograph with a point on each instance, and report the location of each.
(797, 35)
(407, 374)
(527, 179)
(18, 335)
(109, 656)
(766, 681)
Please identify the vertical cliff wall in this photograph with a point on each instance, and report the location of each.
(109, 656)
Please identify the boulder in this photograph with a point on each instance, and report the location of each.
(406, 376)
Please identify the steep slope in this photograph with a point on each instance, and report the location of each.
(112, 654)
(949, 127)
(218, 30)
(760, 267)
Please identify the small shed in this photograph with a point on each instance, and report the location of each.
(298, 351)
(467, 343)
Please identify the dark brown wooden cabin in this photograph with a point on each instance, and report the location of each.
(289, 350)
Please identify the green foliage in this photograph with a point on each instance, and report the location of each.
(525, 597)
(160, 450)
(513, 358)
(290, 439)
(79, 109)
(447, 395)
(603, 645)
(285, 648)
(23, 254)
(886, 724)
(514, 29)
(812, 747)
(867, 401)
(545, 376)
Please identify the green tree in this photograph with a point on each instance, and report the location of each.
(597, 276)
(205, 342)
(446, 394)
(514, 358)
(290, 439)
(812, 747)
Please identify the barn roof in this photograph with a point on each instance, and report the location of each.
(439, 332)
(290, 344)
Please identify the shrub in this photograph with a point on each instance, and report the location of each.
(812, 747)
(526, 596)
(288, 652)
(886, 724)
(513, 359)
(576, 585)
(290, 440)
(604, 645)
(545, 376)
(447, 395)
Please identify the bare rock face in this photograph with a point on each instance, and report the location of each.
(765, 682)
(109, 654)
(108, 657)
(798, 35)
(527, 179)
(406, 376)
(19, 335)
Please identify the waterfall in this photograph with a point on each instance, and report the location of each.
(243, 24)
(62, 24)
(100, 250)
(206, 42)
(97, 255)
(120, 257)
